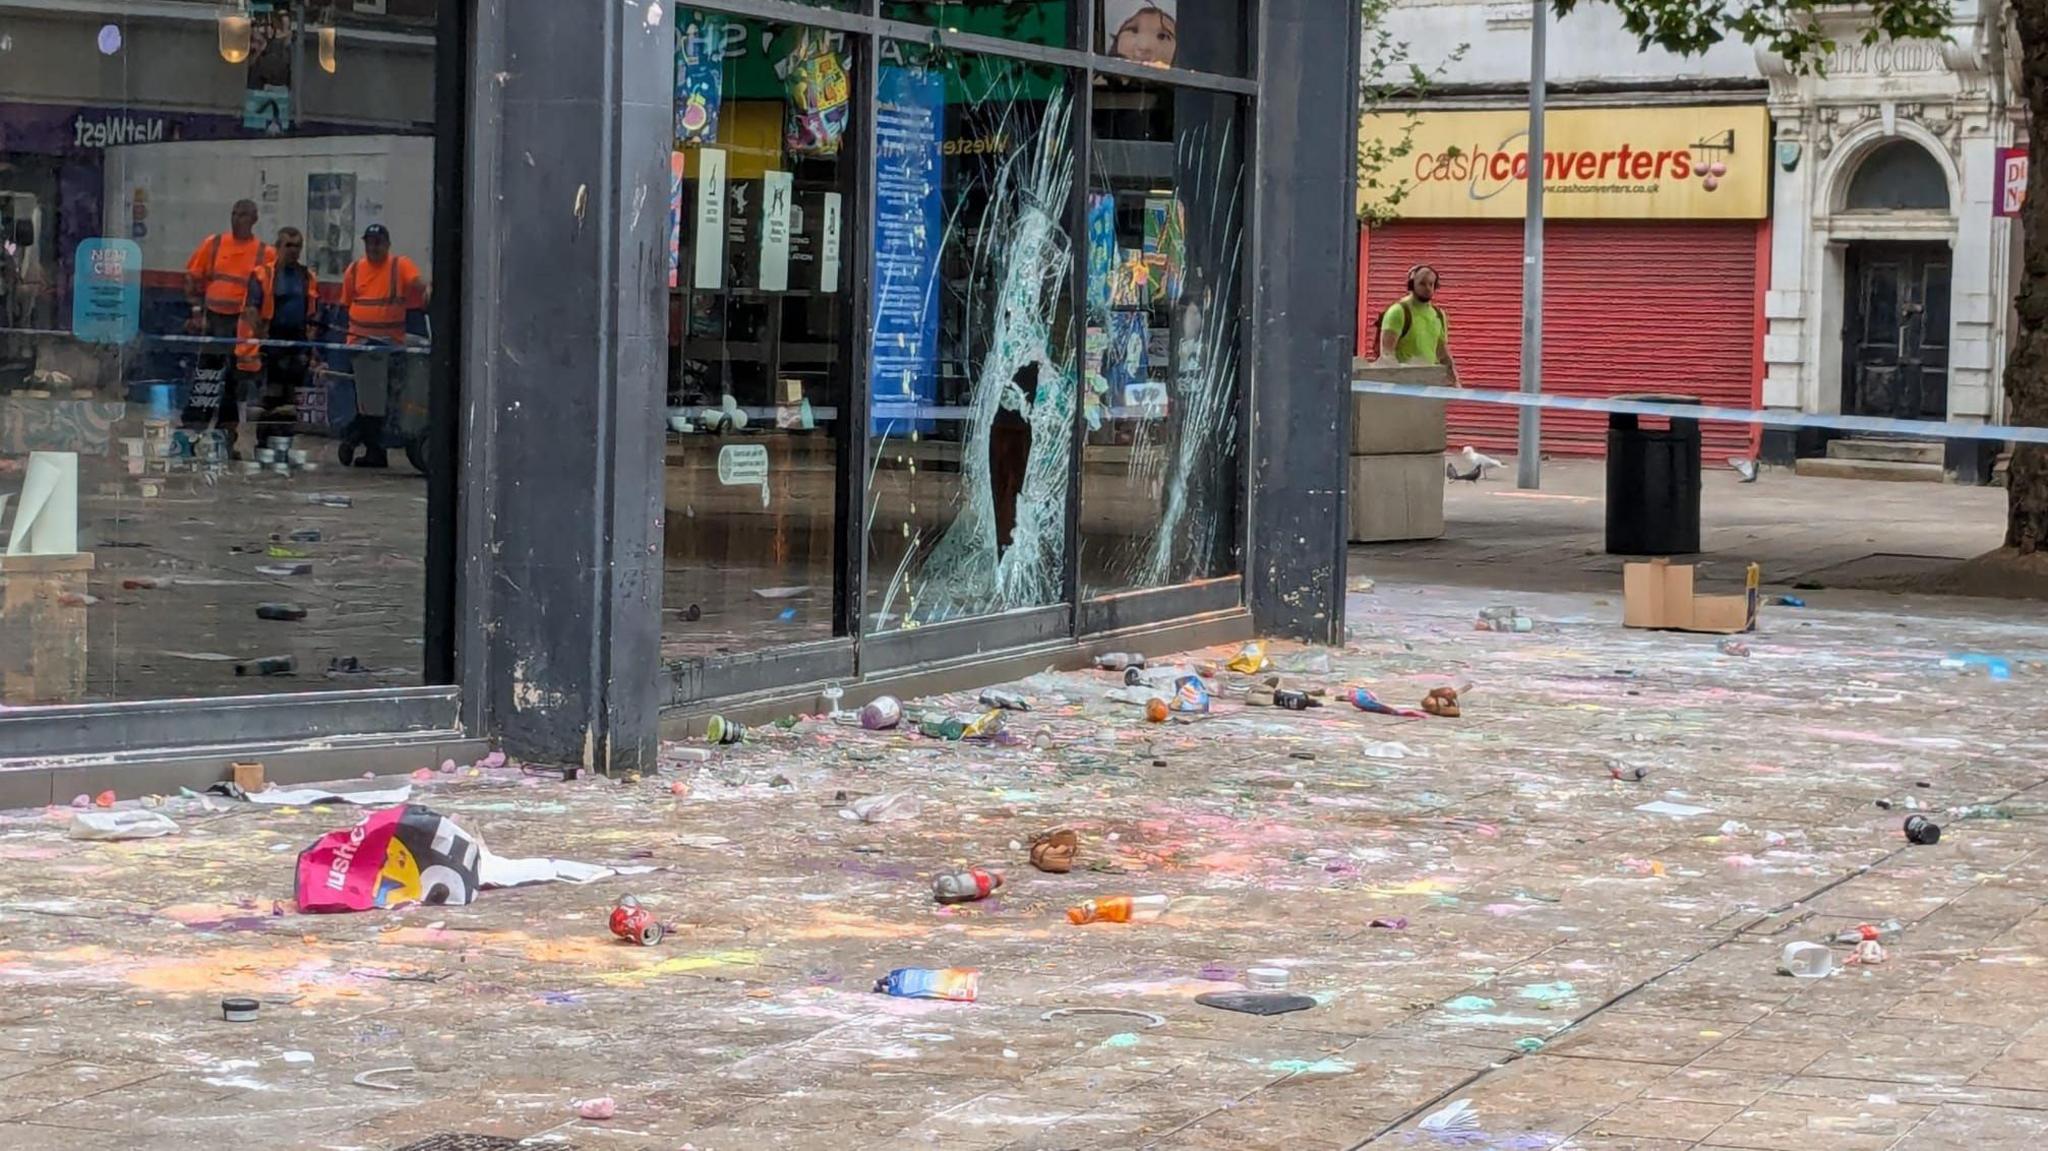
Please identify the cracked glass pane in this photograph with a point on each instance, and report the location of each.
(1048, 22)
(972, 363)
(1160, 362)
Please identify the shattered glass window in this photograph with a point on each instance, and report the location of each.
(1160, 361)
(1047, 22)
(1200, 35)
(760, 334)
(971, 357)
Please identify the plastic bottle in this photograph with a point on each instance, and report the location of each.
(966, 886)
(954, 984)
(1005, 700)
(1119, 909)
(946, 727)
(1886, 932)
(1119, 660)
(881, 713)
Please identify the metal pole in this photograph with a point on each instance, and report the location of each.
(1528, 458)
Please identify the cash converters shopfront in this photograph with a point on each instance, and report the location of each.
(553, 378)
(1656, 257)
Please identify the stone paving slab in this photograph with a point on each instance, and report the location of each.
(1576, 972)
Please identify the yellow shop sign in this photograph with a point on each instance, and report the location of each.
(1685, 163)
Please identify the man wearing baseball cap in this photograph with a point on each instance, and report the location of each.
(376, 293)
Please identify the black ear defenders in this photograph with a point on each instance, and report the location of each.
(1418, 269)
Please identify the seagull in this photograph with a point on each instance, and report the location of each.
(1475, 465)
(1744, 467)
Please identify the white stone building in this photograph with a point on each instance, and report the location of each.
(1890, 267)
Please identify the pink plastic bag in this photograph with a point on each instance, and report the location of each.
(400, 855)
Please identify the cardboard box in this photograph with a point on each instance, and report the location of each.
(1659, 595)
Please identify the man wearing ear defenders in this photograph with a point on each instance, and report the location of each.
(1413, 330)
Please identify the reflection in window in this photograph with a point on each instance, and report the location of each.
(1202, 35)
(972, 346)
(216, 247)
(1047, 22)
(1899, 175)
(759, 334)
(1165, 243)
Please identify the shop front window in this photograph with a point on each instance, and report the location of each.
(1161, 397)
(1198, 35)
(760, 334)
(216, 238)
(971, 350)
(1046, 22)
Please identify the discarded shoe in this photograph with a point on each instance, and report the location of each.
(1054, 851)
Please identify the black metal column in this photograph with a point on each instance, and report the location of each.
(1304, 302)
(566, 357)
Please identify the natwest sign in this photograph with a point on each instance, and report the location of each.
(1705, 163)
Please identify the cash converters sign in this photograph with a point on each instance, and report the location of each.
(1681, 163)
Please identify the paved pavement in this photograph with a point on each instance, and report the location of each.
(1586, 963)
(1841, 533)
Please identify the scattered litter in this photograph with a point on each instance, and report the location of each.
(1119, 909)
(1442, 702)
(603, 1107)
(1288, 699)
(1868, 953)
(1922, 831)
(1388, 751)
(1119, 660)
(952, 984)
(1660, 595)
(1255, 1002)
(105, 799)
(239, 1010)
(329, 500)
(1005, 700)
(1266, 978)
(881, 713)
(966, 886)
(312, 796)
(280, 612)
(283, 570)
(121, 825)
(1628, 772)
(411, 854)
(1787, 601)
(1806, 961)
(1994, 666)
(1156, 711)
(1150, 1018)
(1984, 811)
(1250, 659)
(635, 924)
(886, 808)
(1364, 700)
(1528, 1045)
(268, 665)
(719, 729)
(1453, 1117)
(1191, 696)
(375, 1076)
(1734, 647)
(1053, 851)
(1392, 923)
(1504, 618)
(1674, 810)
(247, 774)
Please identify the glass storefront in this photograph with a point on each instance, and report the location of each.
(217, 230)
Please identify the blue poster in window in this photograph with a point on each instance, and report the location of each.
(1101, 253)
(910, 113)
(106, 299)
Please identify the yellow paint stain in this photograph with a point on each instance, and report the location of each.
(1416, 887)
(682, 965)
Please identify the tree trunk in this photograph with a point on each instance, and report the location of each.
(2026, 371)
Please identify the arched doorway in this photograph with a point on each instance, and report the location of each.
(1895, 333)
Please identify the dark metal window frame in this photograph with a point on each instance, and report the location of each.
(436, 705)
(854, 651)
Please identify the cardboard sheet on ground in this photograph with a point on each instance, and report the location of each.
(413, 854)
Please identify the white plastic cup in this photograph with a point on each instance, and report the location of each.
(1806, 961)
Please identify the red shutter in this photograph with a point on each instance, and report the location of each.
(1628, 306)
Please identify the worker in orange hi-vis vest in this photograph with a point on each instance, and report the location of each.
(220, 283)
(275, 334)
(377, 292)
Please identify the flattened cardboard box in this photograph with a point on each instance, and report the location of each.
(1659, 595)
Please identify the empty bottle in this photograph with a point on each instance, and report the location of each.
(1119, 660)
(954, 984)
(1293, 700)
(1119, 909)
(966, 886)
(1886, 932)
(881, 713)
(946, 727)
(1005, 700)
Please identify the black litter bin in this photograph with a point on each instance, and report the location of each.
(1653, 483)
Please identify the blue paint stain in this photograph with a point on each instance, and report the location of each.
(1303, 1067)
(1549, 992)
(1470, 1003)
(1121, 1039)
